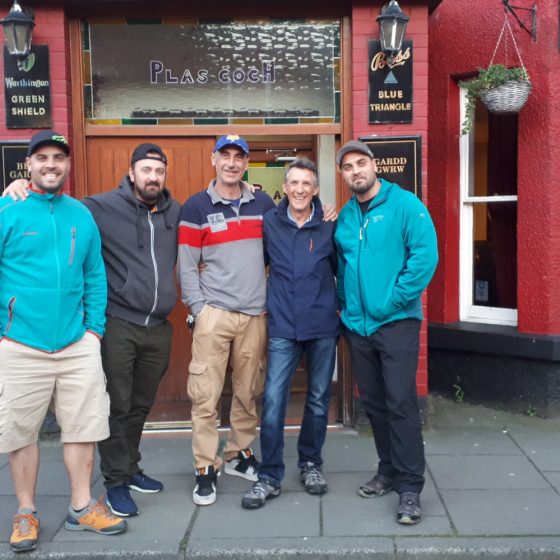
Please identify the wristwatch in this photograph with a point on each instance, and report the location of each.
(191, 320)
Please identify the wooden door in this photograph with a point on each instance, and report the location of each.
(189, 171)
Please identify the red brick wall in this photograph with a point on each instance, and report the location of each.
(365, 28)
(50, 29)
(460, 45)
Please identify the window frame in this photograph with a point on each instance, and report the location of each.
(468, 311)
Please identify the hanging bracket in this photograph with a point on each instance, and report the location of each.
(513, 10)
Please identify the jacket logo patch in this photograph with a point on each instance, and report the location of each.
(217, 222)
(377, 218)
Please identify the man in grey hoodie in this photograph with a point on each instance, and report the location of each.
(138, 226)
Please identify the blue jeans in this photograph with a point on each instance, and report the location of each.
(283, 358)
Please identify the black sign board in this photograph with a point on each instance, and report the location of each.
(12, 156)
(390, 86)
(399, 160)
(27, 90)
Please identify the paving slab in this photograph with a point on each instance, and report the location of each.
(469, 441)
(480, 472)
(504, 512)
(492, 490)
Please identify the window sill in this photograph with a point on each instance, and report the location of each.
(483, 338)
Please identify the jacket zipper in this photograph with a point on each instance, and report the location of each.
(72, 247)
(57, 259)
(363, 226)
(156, 275)
(11, 305)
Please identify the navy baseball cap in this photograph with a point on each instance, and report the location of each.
(232, 140)
(148, 151)
(48, 138)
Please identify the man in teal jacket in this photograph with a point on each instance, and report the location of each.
(387, 256)
(53, 293)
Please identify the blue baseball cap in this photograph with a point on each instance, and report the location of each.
(232, 140)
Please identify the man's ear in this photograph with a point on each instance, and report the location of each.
(131, 174)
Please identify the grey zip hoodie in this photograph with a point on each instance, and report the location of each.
(139, 248)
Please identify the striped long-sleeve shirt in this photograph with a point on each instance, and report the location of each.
(229, 240)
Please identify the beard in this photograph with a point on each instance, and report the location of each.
(51, 189)
(149, 195)
(362, 187)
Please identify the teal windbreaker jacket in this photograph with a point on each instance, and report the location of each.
(52, 278)
(386, 259)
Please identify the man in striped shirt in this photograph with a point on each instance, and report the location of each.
(222, 228)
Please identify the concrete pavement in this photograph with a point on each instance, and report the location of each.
(492, 489)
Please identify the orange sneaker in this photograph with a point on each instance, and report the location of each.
(95, 517)
(26, 531)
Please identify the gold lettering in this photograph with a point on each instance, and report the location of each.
(379, 61)
(398, 94)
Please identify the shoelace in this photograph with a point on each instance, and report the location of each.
(102, 510)
(259, 489)
(313, 474)
(24, 522)
(121, 492)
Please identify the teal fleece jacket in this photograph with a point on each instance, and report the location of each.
(52, 279)
(386, 259)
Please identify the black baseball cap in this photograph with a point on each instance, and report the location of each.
(353, 146)
(48, 138)
(148, 151)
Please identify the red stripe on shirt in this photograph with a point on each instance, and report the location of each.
(236, 231)
(190, 236)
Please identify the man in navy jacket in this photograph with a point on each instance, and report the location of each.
(302, 319)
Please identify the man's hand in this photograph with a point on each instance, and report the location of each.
(329, 213)
(17, 190)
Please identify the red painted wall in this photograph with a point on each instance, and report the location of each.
(463, 34)
(365, 28)
(50, 29)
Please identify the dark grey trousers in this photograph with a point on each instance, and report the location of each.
(384, 365)
(134, 360)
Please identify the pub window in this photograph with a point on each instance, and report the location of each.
(488, 246)
(260, 72)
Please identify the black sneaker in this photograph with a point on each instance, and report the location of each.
(120, 501)
(259, 493)
(409, 511)
(143, 483)
(379, 485)
(204, 493)
(244, 465)
(313, 479)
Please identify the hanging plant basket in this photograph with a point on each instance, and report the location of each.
(507, 98)
(501, 88)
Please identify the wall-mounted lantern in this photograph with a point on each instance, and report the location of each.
(392, 26)
(18, 30)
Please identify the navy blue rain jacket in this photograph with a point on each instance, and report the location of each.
(301, 293)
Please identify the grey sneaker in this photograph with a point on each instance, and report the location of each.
(409, 511)
(379, 485)
(259, 493)
(313, 479)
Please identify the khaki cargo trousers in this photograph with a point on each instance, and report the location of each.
(220, 335)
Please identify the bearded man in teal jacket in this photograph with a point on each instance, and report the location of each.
(53, 293)
(387, 255)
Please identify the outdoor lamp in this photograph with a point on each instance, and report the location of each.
(392, 25)
(18, 29)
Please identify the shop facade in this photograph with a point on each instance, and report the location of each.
(494, 303)
(294, 78)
